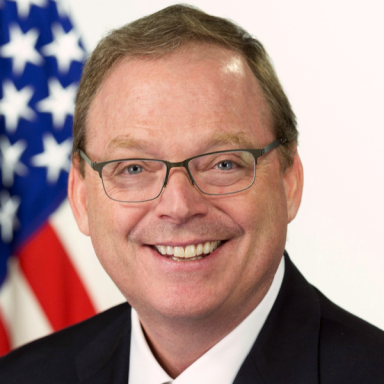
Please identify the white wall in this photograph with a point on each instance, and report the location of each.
(329, 56)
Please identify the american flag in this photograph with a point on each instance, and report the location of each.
(49, 278)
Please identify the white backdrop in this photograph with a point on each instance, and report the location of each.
(329, 56)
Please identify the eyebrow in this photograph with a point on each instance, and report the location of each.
(240, 139)
(125, 142)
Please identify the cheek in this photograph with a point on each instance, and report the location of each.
(262, 214)
(109, 229)
(261, 209)
(272, 217)
(107, 216)
(110, 223)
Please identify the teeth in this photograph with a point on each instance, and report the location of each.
(178, 252)
(190, 251)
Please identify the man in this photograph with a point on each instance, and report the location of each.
(196, 246)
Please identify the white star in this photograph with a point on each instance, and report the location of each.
(10, 160)
(62, 7)
(8, 220)
(24, 6)
(65, 47)
(55, 157)
(14, 105)
(21, 48)
(60, 102)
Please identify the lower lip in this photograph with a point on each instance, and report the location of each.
(192, 265)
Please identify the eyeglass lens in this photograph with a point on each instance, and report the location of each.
(140, 180)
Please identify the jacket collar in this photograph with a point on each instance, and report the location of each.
(106, 358)
(286, 350)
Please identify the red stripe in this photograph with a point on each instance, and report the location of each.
(4, 341)
(54, 280)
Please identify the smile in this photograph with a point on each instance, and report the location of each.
(190, 252)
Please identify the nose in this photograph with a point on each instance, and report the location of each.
(180, 199)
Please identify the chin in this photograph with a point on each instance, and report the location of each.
(188, 306)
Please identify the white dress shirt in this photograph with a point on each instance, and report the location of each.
(218, 365)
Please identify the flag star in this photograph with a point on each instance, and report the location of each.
(10, 160)
(62, 7)
(8, 220)
(21, 48)
(14, 105)
(24, 6)
(60, 102)
(55, 157)
(65, 47)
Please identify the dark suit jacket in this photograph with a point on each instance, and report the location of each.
(305, 340)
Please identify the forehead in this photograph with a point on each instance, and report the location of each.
(194, 97)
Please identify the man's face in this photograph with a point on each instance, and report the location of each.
(191, 102)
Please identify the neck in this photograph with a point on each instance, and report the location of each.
(177, 343)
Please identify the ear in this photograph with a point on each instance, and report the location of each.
(293, 185)
(77, 195)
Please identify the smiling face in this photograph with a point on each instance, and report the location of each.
(182, 105)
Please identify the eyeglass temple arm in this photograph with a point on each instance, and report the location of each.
(94, 165)
(85, 157)
(273, 145)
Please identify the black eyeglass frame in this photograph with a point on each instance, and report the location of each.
(256, 153)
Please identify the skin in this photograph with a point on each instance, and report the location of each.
(174, 108)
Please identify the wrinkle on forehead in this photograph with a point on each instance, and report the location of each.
(181, 90)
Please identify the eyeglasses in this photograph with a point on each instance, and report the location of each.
(214, 173)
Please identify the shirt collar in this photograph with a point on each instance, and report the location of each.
(218, 365)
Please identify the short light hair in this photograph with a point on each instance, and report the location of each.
(163, 32)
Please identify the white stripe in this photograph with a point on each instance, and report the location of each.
(102, 291)
(22, 314)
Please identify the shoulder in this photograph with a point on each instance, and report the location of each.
(53, 357)
(350, 349)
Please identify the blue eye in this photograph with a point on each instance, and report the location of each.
(225, 165)
(134, 169)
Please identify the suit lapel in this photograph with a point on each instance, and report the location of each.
(286, 350)
(106, 358)
(248, 373)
